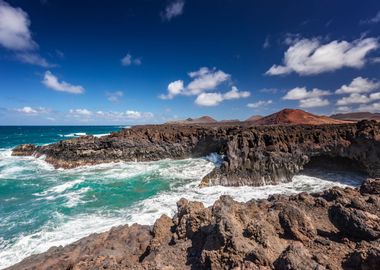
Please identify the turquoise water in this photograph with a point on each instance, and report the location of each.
(42, 207)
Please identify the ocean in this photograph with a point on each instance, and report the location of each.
(41, 207)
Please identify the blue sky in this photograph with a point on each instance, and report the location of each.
(150, 61)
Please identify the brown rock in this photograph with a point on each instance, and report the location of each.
(296, 224)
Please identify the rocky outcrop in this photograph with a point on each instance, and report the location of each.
(253, 155)
(334, 229)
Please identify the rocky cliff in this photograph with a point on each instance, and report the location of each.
(253, 155)
(335, 229)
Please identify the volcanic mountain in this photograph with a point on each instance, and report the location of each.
(201, 120)
(296, 117)
(357, 116)
(253, 118)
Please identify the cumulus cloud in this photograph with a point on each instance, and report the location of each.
(205, 79)
(313, 102)
(128, 60)
(308, 99)
(374, 107)
(356, 98)
(359, 85)
(209, 99)
(114, 96)
(15, 35)
(299, 93)
(173, 10)
(359, 91)
(260, 103)
(32, 111)
(310, 56)
(214, 99)
(202, 81)
(234, 93)
(174, 88)
(52, 82)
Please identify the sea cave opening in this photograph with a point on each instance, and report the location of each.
(336, 169)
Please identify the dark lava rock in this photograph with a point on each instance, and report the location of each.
(253, 155)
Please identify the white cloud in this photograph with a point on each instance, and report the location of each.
(205, 79)
(15, 35)
(354, 98)
(124, 115)
(214, 99)
(33, 59)
(259, 103)
(375, 19)
(308, 99)
(344, 109)
(374, 107)
(128, 60)
(14, 28)
(174, 88)
(313, 102)
(114, 96)
(359, 85)
(52, 82)
(234, 93)
(299, 93)
(32, 111)
(209, 99)
(80, 112)
(309, 56)
(173, 9)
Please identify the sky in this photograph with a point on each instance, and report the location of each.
(96, 62)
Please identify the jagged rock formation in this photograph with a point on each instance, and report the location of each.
(335, 229)
(253, 155)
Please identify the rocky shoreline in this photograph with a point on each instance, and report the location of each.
(252, 155)
(335, 229)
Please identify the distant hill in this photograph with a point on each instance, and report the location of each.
(201, 120)
(254, 118)
(357, 116)
(296, 117)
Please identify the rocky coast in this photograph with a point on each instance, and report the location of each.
(335, 229)
(252, 155)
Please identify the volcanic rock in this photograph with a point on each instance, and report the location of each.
(234, 235)
(252, 155)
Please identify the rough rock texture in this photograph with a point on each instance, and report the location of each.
(253, 155)
(335, 229)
